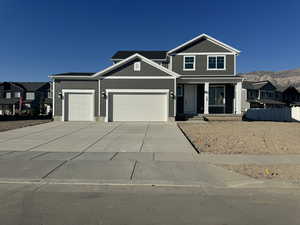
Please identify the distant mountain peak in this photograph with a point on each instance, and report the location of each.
(282, 78)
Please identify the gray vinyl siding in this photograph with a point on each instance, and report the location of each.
(201, 66)
(146, 70)
(202, 45)
(136, 84)
(74, 84)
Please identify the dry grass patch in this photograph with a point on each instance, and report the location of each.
(10, 125)
(239, 137)
(280, 172)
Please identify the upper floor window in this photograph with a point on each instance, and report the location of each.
(189, 62)
(30, 96)
(137, 66)
(216, 62)
(17, 94)
(7, 95)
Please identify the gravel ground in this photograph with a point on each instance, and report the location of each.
(240, 137)
(281, 172)
(10, 125)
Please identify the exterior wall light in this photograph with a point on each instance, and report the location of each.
(103, 94)
(172, 94)
(60, 95)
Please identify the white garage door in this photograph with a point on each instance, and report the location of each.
(80, 107)
(139, 107)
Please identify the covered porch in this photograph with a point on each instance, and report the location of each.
(208, 98)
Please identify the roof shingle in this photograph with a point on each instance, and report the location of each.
(160, 55)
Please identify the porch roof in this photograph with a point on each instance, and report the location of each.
(210, 79)
(268, 101)
(10, 101)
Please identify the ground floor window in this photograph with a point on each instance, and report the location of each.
(217, 99)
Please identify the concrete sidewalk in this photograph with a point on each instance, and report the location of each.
(122, 170)
(247, 159)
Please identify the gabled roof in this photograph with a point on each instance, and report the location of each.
(255, 85)
(229, 48)
(31, 86)
(75, 74)
(154, 55)
(133, 57)
(291, 87)
(115, 66)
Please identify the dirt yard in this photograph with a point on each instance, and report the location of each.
(280, 172)
(239, 137)
(10, 125)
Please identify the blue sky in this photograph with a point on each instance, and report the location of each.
(42, 37)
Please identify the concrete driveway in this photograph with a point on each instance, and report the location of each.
(120, 153)
(96, 137)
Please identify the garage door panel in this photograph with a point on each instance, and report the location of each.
(139, 107)
(80, 107)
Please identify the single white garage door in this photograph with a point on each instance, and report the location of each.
(139, 107)
(80, 107)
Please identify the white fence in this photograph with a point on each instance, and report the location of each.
(274, 114)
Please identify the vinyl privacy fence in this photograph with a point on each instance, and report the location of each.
(287, 114)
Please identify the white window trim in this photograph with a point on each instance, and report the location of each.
(6, 93)
(17, 94)
(108, 91)
(194, 65)
(76, 91)
(207, 68)
(29, 92)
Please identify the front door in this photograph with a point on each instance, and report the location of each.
(190, 99)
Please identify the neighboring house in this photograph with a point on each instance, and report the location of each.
(260, 94)
(290, 95)
(32, 97)
(195, 78)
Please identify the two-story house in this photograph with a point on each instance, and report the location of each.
(197, 77)
(30, 97)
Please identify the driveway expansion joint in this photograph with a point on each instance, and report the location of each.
(132, 173)
(114, 155)
(143, 141)
(55, 139)
(54, 169)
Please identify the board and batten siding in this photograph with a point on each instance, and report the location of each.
(136, 84)
(202, 45)
(74, 84)
(128, 70)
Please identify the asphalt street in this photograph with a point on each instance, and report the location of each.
(35, 204)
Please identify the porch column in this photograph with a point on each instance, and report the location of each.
(206, 97)
(14, 109)
(238, 98)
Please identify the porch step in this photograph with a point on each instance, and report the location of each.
(195, 118)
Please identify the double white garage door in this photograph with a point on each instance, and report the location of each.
(138, 107)
(120, 106)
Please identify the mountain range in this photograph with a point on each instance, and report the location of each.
(281, 79)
